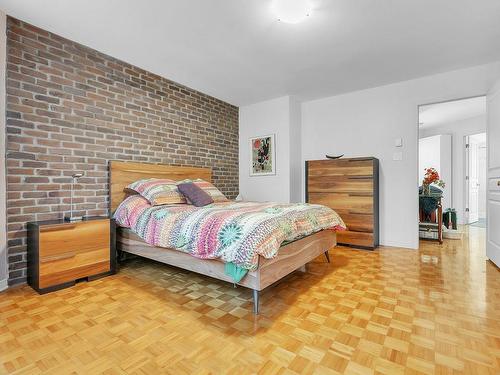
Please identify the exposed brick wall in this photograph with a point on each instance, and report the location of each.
(71, 108)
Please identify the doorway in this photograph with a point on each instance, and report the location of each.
(475, 179)
(452, 143)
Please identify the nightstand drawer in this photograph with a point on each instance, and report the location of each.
(73, 266)
(59, 241)
(61, 253)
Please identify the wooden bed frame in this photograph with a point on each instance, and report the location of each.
(290, 258)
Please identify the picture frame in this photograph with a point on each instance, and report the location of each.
(263, 155)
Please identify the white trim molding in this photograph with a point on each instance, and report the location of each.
(3, 285)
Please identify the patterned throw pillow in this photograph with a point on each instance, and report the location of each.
(158, 191)
(210, 189)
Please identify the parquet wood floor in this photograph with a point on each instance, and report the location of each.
(392, 311)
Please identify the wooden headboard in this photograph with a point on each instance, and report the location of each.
(122, 173)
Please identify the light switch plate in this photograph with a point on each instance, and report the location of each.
(398, 142)
(397, 156)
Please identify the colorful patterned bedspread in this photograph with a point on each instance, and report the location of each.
(236, 232)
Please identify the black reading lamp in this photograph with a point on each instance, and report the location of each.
(71, 218)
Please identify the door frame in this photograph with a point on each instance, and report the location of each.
(466, 198)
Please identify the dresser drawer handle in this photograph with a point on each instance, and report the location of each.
(498, 183)
(52, 258)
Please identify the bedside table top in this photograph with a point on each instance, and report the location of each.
(62, 221)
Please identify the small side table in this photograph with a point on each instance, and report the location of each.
(426, 225)
(61, 253)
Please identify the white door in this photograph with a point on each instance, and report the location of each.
(483, 179)
(493, 206)
(473, 180)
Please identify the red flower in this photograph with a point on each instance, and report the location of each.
(256, 144)
(432, 177)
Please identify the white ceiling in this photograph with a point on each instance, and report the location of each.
(444, 113)
(237, 51)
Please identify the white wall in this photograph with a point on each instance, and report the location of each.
(436, 152)
(295, 149)
(279, 117)
(446, 169)
(458, 131)
(3, 236)
(366, 123)
(429, 154)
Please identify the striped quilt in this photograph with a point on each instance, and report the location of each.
(236, 232)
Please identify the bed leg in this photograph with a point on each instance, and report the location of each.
(255, 302)
(327, 256)
(120, 256)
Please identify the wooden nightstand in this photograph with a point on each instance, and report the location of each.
(61, 253)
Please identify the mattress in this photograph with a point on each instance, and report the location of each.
(236, 233)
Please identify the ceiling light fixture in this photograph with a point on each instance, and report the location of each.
(291, 11)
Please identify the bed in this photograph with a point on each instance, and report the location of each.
(292, 256)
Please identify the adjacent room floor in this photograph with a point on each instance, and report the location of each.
(481, 223)
(392, 311)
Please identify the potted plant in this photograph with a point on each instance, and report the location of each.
(431, 177)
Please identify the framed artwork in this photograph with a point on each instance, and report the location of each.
(263, 156)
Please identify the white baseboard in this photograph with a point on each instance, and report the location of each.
(3, 285)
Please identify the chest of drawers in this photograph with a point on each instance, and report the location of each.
(350, 187)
